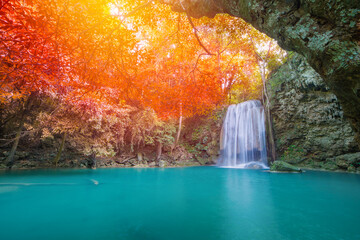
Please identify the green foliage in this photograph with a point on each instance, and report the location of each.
(293, 154)
(239, 93)
(203, 133)
(217, 115)
(196, 150)
(147, 129)
(91, 127)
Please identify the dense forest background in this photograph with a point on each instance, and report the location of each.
(114, 79)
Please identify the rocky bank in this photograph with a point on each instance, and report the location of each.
(199, 145)
(309, 124)
(35, 159)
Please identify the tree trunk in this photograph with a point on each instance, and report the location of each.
(92, 160)
(158, 152)
(266, 101)
(268, 119)
(25, 109)
(325, 32)
(268, 122)
(271, 137)
(58, 155)
(10, 158)
(178, 131)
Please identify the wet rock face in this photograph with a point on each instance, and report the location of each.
(310, 127)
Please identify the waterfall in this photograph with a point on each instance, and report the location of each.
(243, 143)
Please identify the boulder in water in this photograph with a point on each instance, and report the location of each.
(281, 166)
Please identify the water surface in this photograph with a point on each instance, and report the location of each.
(180, 203)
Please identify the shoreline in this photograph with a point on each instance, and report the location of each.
(165, 167)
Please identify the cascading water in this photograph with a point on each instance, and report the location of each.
(243, 143)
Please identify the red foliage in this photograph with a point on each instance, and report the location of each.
(83, 49)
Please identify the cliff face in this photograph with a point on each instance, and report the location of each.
(309, 124)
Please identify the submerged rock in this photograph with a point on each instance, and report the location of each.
(281, 166)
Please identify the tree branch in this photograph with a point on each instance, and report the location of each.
(195, 31)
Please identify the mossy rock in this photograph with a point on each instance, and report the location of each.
(331, 166)
(351, 169)
(281, 166)
(342, 163)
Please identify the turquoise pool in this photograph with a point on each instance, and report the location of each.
(178, 204)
